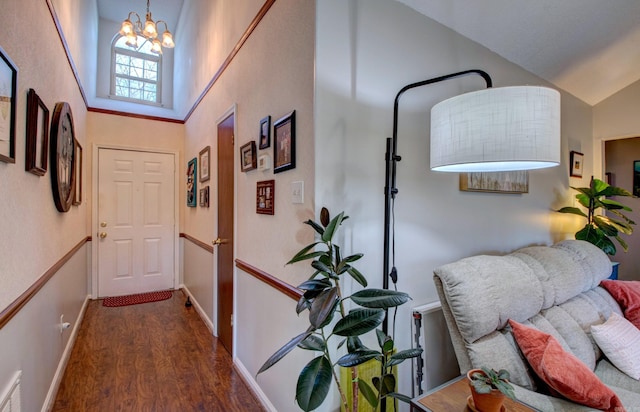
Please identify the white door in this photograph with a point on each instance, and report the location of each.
(136, 200)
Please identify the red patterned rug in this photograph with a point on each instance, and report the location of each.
(115, 301)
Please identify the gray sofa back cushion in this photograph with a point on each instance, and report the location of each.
(552, 288)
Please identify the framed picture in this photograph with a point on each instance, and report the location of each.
(204, 197)
(205, 163)
(577, 164)
(265, 133)
(77, 171)
(191, 182)
(265, 197)
(264, 162)
(636, 178)
(37, 145)
(495, 182)
(248, 156)
(8, 85)
(284, 143)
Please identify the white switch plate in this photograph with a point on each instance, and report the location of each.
(297, 192)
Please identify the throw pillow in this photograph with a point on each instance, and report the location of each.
(619, 339)
(627, 294)
(562, 371)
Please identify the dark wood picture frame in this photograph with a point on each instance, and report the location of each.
(264, 141)
(636, 178)
(205, 164)
(204, 197)
(8, 87)
(265, 197)
(192, 173)
(77, 172)
(284, 143)
(576, 165)
(37, 138)
(248, 158)
(62, 160)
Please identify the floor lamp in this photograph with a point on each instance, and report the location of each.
(494, 129)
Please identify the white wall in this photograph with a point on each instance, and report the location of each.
(366, 51)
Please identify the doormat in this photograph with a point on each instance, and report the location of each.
(136, 299)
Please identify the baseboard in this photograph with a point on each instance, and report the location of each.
(199, 309)
(62, 365)
(253, 385)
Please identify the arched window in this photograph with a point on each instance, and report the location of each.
(136, 73)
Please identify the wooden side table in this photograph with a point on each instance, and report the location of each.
(452, 397)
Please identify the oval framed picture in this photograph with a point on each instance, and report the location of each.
(62, 143)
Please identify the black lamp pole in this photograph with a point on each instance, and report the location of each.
(391, 159)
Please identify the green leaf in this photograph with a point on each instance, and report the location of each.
(313, 342)
(382, 338)
(613, 205)
(331, 227)
(336, 250)
(355, 274)
(353, 258)
(358, 322)
(304, 254)
(322, 267)
(315, 284)
(386, 386)
(572, 210)
(399, 357)
(314, 383)
(400, 397)
(358, 358)
(368, 393)
(315, 226)
(379, 298)
(341, 344)
(303, 304)
(283, 351)
(354, 344)
(323, 307)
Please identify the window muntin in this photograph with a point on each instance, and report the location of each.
(135, 73)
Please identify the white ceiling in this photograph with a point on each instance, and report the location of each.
(590, 48)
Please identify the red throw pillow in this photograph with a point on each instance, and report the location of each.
(562, 371)
(627, 294)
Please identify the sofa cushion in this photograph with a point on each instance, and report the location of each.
(562, 371)
(627, 294)
(619, 339)
(614, 377)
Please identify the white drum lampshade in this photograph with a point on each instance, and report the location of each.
(496, 129)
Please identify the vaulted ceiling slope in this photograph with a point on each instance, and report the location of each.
(590, 48)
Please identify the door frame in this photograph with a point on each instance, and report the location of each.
(94, 210)
(230, 111)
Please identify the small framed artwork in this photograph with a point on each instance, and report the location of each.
(191, 182)
(514, 182)
(636, 178)
(264, 162)
(265, 133)
(284, 143)
(205, 163)
(8, 86)
(248, 156)
(37, 145)
(265, 197)
(608, 177)
(577, 164)
(204, 197)
(77, 172)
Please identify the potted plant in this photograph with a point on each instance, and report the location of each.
(336, 323)
(489, 388)
(599, 229)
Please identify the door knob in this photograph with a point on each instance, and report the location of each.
(103, 224)
(103, 235)
(219, 241)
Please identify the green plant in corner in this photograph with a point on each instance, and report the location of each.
(600, 228)
(488, 379)
(356, 315)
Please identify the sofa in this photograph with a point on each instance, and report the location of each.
(554, 289)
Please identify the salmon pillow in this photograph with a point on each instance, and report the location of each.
(562, 371)
(627, 294)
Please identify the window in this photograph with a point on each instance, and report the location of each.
(136, 73)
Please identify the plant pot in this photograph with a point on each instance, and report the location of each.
(485, 402)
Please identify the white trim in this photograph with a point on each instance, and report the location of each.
(253, 386)
(62, 365)
(94, 209)
(199, 309)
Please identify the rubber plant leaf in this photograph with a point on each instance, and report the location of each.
(400, 397)
(313, 383)
(357, 276)
(331, 227)
(386, 386)
(379, 298)
(368, 393)
(358, 358)
(315, 226)
(315, 284)
(322, 308)
(313, 342)
(399, 357)
(358, 322)
(304, 254)
(572, 210)
(283, 351)
(354, 344)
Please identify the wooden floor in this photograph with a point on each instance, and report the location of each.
(156, 356)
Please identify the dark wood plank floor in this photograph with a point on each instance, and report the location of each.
(156, 356)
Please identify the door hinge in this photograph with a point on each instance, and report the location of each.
(231, 320)
(233, 140)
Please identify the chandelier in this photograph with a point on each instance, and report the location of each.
(131, 30)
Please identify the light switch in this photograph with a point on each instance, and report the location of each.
(297, 192)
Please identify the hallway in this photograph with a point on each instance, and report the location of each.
(156, 356)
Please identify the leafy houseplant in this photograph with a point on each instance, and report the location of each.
(600, 228)
(324, 299)
(489, 387)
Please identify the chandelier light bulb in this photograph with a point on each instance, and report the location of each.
(167, 40)
(156, 47)
(132, 40)
(150, 31)
(127, 28)
(131, 30)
